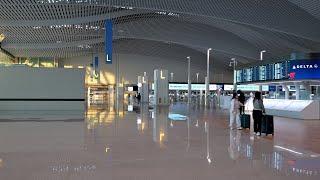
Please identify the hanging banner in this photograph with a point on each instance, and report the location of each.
(96, 67)
(108, 41)
(91, 71)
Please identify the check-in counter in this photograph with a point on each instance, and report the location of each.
(297, 109)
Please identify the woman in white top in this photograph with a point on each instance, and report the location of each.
(235, 111)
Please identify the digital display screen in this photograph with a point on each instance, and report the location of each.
(291, 69)
(304, 69)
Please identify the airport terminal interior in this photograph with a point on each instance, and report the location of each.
(159, 89)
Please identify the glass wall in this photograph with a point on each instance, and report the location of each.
(39, 62)
(5, 59)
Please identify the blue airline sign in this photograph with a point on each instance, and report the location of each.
(304, 69)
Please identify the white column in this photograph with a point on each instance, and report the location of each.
(260, 88)
(307, 87)
(140, 84)
(206, 92)
(286, 89)
(161, 87)
(234, 80)
(297, 86)
(201, 96)
(234, 63)
(145, 89)
(160, 124)
(189, 80)
(207, 79)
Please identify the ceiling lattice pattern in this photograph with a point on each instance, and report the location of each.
(233, 28)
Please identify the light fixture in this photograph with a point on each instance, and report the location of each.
(233, 62)
(2, 37)
(261, 54)
(107, 149)
(289, 150)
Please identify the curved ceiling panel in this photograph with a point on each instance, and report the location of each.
(233, 28)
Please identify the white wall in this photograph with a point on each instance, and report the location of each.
(41, 83)
(131, 66)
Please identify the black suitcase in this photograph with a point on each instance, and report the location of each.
(245, 120)
(267, 125)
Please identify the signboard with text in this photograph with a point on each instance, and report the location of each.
(108, 41)
(304, 69)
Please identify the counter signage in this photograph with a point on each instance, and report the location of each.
(304, 69)
(273, 88)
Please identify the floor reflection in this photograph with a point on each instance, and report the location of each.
(179, 141)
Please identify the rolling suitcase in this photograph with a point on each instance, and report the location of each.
(267, 125)
(245, 120)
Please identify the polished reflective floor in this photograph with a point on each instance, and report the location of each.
(177, 142)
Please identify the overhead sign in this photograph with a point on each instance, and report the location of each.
(304, 69)
(194, 87)
(108, 41)
(96, 66)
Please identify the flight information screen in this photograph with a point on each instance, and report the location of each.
(286, 70)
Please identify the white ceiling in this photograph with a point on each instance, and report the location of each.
(233, 28)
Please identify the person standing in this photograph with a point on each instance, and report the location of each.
(258, 110)
(139, 98)
(235, 112)
(242, 100)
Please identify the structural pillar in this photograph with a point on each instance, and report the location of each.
(276, 92)
(160, 124)
(286, 91)
(140, 84)
(189, 80)
(206, 93)
(161, 87)
(201, 96)
(207, 79)
(234, 79)
(297, 87)
(307, 88)
(143, 88)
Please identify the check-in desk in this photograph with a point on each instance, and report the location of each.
(297, 109)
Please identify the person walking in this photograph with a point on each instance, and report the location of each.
(235, 112)
(258, 110)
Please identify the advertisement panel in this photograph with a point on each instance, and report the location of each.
(304, 69)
